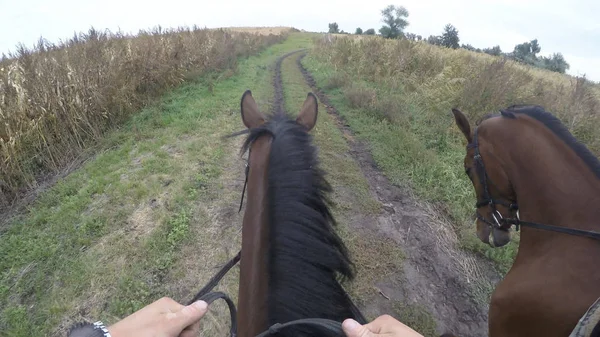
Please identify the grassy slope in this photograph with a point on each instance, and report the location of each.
(409, 150)
(107, 239)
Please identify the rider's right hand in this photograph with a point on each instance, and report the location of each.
(384, 325)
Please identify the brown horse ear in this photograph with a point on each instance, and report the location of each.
(463, 124)
(251, 116)
(308, 114)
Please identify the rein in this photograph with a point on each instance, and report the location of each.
(499, 221)
(206, 295)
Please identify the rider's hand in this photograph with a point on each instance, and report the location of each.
(383, 326)
(163, 318)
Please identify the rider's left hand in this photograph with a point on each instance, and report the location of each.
(163, 318)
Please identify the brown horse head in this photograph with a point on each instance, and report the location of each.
(525, 154)
(493, 189)
(291, 256)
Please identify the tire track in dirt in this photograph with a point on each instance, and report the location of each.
(436, 274)
(278, 103)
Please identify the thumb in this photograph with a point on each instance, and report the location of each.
(190, 314)
(353, 329)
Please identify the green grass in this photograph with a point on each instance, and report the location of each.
(410, 144)
(108, 239)
(416, 317)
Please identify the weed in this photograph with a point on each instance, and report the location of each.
(417, 317)
(359, 97)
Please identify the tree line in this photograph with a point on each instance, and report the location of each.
(395, 22)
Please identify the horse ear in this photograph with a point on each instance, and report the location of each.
(308, 114)
(251, 116)
(463, 124)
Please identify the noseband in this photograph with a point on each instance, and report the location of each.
(498, 221)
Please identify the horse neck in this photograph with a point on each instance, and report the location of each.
(552, 183)
(253, 289)
(291, 255)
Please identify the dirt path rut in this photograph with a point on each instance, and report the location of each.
(450, 283)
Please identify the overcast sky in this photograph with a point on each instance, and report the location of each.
(572, 28)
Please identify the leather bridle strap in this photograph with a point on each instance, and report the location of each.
(564, 230)
(245, 183)
(483, 179)
(211, 297)
(215, 279)
(205, 295)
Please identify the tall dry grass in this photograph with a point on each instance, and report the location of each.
(436, 79)
(56, 98)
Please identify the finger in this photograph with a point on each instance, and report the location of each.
(388, 325)
(353, 329)
(189, 315)
(382, 324)
(191, 331)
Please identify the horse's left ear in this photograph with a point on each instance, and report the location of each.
(251, 115)
(308, 114)
(463, 124)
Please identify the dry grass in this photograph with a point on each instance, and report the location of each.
(56, 99)
(262, 30)
(360, 97)
(440, 78)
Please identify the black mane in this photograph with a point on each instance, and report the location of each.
(558, 128)
(306, 256)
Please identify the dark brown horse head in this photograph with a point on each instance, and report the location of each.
(493, 188)
(291, 256)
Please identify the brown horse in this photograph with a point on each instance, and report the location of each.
(291, 257)
(525, 154)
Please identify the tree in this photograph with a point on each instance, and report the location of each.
(410, 36)
(555, 63)
(333, 28)
(395, 21)
(370, 31)
(526, 52)
(495, 50)
(434, 40)
(358, 31)
(468, 47)
(450, 37)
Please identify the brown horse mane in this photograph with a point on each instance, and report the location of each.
(556, 126)
(307, 258)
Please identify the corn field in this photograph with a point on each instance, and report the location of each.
(57, 98)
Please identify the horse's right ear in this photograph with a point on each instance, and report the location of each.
(308, 114)
(251, 116)
(463, 124)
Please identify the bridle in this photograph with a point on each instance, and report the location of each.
(206, 295)
(500, 222)
(487, 200)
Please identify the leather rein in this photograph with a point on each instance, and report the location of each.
(498, 221)
(206, 295)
